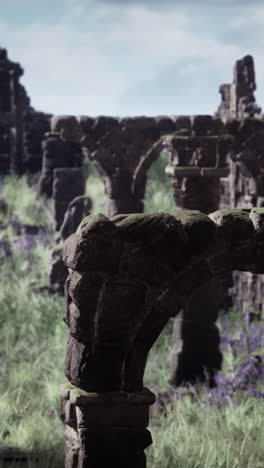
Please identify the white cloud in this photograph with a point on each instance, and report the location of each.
(90, 58)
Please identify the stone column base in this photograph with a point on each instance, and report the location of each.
(105, 429)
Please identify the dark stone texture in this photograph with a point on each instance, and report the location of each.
(108, 305)
(115, 317)
(108, 428)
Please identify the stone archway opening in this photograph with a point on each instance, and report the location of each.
(158, 194)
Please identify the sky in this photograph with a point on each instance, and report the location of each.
(131, 57)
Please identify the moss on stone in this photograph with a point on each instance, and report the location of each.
(259, 210)
(198, 137)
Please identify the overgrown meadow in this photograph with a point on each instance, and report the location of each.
(192, 427)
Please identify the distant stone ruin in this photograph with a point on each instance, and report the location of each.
(127, 277)
(123, 150)
(196, 166)
(238, 101)
(21, 127)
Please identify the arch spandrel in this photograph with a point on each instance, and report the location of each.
(129, 311)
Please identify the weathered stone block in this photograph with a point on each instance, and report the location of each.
(112, 415)
(121, 309)
(201, 124)
(198, 227)
(84, 291)
(119, 440)
(95, 247)
(100, 371)
(234, 225)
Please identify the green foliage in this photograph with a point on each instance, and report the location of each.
(23, 204)
(185, 437)
(32, 343)
(158, 197)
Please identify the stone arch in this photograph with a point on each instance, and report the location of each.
(123, 150)
(129, 275)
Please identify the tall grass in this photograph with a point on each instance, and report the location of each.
(23, 203)
(195, 429)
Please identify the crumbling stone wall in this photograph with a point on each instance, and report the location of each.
(36, 126)
(245, 188)
(127, 277)
(13, 101)
(196, 164)
(21, 128)
(238, 99)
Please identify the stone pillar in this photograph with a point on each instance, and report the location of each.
(105, 311)
(68, 183)
(195, 167)
(61, 149)
(247, 191)
(105, 429)
(196, 339)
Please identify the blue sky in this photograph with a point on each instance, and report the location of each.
(128, 57)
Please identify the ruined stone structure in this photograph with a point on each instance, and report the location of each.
(13, 101)
(201, 152)
(245, 188)
(127, 277)
(21, 127)
(196, 164)
(123, 155)
(124, 149)
(238, 101)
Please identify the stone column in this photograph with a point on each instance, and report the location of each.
(105, 429)
(68, 183)
(195, 167)
(105, 309)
